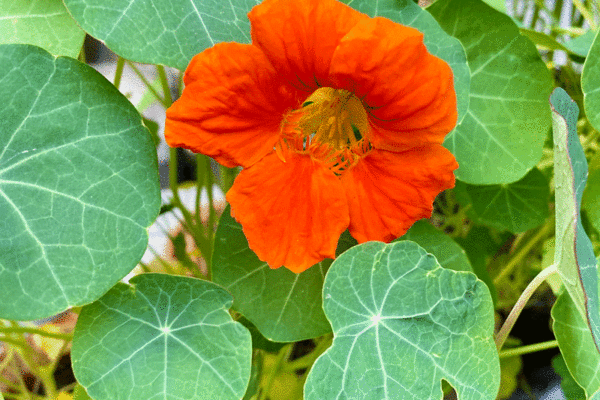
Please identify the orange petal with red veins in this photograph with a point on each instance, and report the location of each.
(299, 37)
(232, 106)
(408, 93)
(388, 192)
(292, 212)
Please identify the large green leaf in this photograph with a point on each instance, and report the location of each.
(515, 207)
(438, 42)
(590, 83)
(284, 306)
(448, 253)
(571, 389)
(576, 345)
(44, 23)
(78, 183)
(402, 324)
(502, 136)
(574, 255)
(168, 32)
(162, 337)
(591, 195)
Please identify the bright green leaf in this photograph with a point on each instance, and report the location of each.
(543, 40)
(581, 45)
(79, 393)
(162, 337)
(78, 183)
(591, 195)
(515, 207)
(44, 23)
(168, 32)
(574, 254)
(502, 136)
(1, 397)
(438, 42)
(576, 345)
(284, 306)
(448, 253)
(401, 324)
(590, 83)
(569, 386)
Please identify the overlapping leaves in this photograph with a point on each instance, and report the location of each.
(78, 183)
(402, 324)
(162, 337)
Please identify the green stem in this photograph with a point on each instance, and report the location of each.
(520, 304)
(148, 85)
(532, 348)
(165, 84)
(586, 13)
(35, 331)
(282, 356)
(522, 253)
(308, 360)
(119, 72)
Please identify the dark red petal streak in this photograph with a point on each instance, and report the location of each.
(387, 191)
(292, 213)
(231, 107)
(408, 93)
(300, 36)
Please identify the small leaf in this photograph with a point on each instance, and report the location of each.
(502, 135)
(162, 337)
(515, 207)
(284, 306)
(590, 83)
(168, 32)
(574, 255)
(448, 253)
(576, 344)
(78, 183)
(569, 386)
(79, 393)
(44, 23)
(438, 42)
(402, 324)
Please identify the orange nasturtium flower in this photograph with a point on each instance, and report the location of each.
(337, 119)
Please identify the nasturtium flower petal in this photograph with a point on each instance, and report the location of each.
(231, 107)
(300, 37)
(292, 212)
(389, 191)
(412, 105)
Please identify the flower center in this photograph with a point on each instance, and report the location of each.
(331, 126)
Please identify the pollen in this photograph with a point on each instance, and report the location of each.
(331, 126)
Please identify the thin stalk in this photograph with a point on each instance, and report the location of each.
(282, 356)
(586, 14)
(35, 331)
(165, 84)
(522, 253)
(14, 342)
(210, 181)
(119, 72)
(520, 305)
(200, 175)
(532, 348)
(308, 360)
(148, 84)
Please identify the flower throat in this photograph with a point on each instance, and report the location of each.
(331, 127)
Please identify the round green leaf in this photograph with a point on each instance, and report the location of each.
(515, 207)
(448, 253)
(168, 32)
(44, 23)
(590, 83)
(502, 135)
(402, 324)
(284, 306)
(576, 345)
(574, 254)
(438, 42)
(162, 337)
(78, 183)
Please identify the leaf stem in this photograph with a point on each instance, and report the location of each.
(148, 84)
(520, 305)
(522, 253)
(585, 12)
(35, 331)
(532, 348)
(282, 356)
(119, 72)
